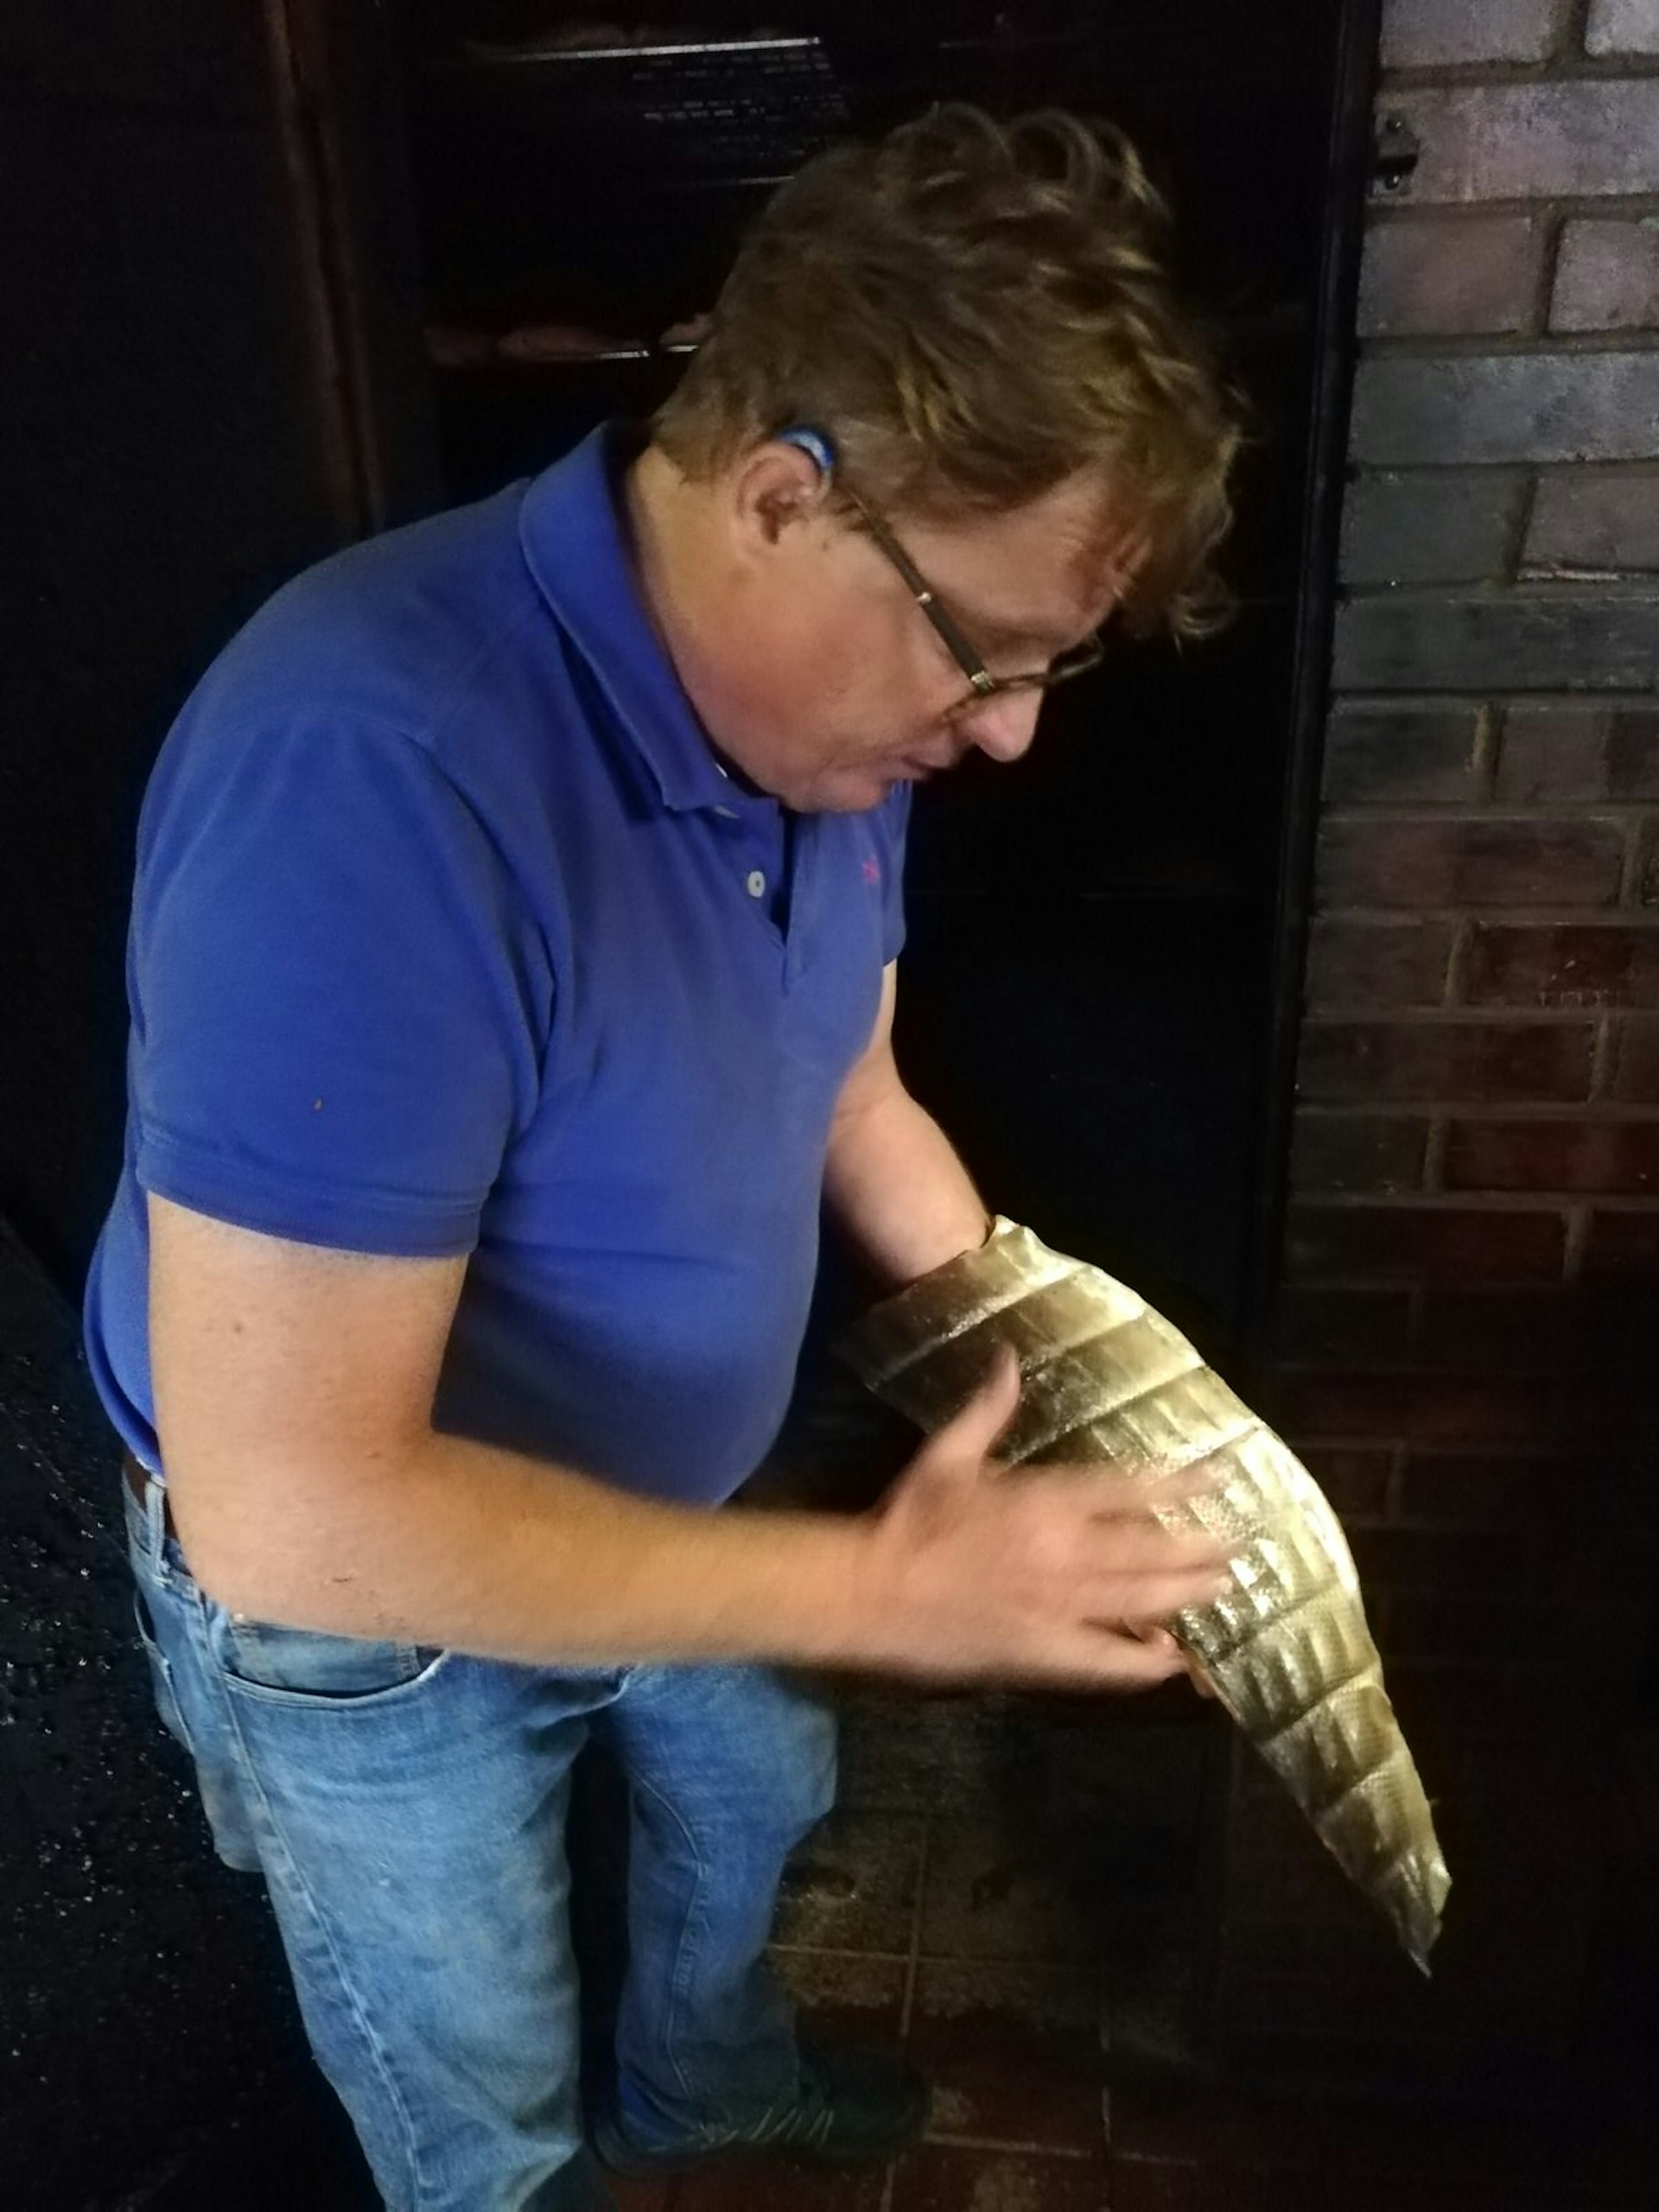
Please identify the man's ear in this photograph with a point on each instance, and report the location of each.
(776, 485)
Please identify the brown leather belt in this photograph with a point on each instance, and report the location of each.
(137, 1479)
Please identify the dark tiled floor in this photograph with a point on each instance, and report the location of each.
(1022, 1932)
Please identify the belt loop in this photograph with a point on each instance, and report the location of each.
(155, 1514)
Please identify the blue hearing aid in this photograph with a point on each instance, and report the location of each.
(812, 442)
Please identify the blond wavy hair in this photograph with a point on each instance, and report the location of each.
(974, 312)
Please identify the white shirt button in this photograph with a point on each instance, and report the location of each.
(756, 884)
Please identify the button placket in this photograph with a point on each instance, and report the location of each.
(803, 901)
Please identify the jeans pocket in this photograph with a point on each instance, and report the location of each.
(161, 1673)
(304, 1666)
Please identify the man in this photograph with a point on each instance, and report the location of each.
(513, 977)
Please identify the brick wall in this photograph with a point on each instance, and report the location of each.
(1470, 1309)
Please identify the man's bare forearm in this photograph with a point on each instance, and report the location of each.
(293, 1394)
(456, 1543)
(896, 1184)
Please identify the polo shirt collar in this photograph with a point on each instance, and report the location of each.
(575, 541)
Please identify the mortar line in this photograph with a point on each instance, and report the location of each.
(913, 1964)
(1435, 1152)
(1515, 553)
(1630, 872)
(1548, 262)
(1601, 1059)
(907, 2007)
(1000, 2142)
(1483, 759)
(1578, 1235)
(1457, 961)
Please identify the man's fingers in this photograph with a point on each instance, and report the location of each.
(1146, 1546)
(1146, 1597)
(1119, 1495)
(1111, 1658)
(1161, 1640)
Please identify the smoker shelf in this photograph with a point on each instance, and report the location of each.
(716, 107)
(537, 349)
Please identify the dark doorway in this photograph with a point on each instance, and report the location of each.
(1088, 985)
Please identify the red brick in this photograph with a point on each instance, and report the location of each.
(1636, 1074)
(1497, 1331)
(1391, 862)
(1430, 526)
(1423, 34)
(1481, 1409)
(1483, 1565)
(1343, 1405)
(1566, 1329)
(1568, 964)
(1351, 965)
(1375, 1060)
(1607, 278)
(1523, 141)
(1647, 863)
(1353, 1477)
(1427, 1627)
(1357, 1152)
(1409, 409)
(638, 2195)
(1603, 518)
(1346, 1328)
(1155, 2185)
(737, 2185)
(1479, 1488)
(1361, 1243)
(1581, 751)
(1602, 638)
(1622, 27)
(1402, 752)
(1237, 2135)
(944, 2177)
(1491, 1331)
(1426, 1408)
(1622, 1248)
(1013, 2049)
(1528, 1489)
(1443, 277)
(1622, 1156)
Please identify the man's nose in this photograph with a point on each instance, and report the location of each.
(1004, 727)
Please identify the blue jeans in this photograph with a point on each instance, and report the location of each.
(406, 1807)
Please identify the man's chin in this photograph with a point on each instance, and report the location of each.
(854, 793)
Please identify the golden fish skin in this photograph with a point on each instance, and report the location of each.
(1287, 1650)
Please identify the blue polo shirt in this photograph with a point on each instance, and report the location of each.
(449, 935)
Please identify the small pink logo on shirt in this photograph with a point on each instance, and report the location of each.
(872, 873)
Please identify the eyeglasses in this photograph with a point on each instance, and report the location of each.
(1075, 661)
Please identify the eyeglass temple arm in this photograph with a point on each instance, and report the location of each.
(922, 592)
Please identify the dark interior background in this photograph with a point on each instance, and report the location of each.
(227, 228)
(1086, 988)
(1092, 930)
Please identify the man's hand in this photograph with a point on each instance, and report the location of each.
(1056, 1574)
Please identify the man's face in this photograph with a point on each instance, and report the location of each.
(838, 687)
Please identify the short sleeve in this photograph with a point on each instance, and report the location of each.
(339, 1005)
(895, 814)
